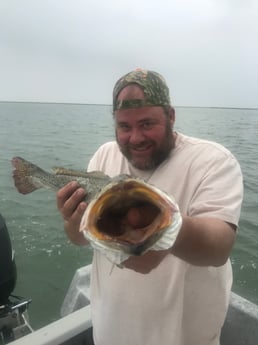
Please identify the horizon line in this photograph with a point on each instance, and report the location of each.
(105, 104)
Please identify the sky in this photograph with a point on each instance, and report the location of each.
(73, 51)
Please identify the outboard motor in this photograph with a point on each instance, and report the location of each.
(7, 264)
(13, 309)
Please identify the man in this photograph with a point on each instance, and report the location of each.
(178, 296)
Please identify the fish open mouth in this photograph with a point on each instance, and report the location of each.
(127, 220)
(128, 212)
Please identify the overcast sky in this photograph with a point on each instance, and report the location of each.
(75, 50)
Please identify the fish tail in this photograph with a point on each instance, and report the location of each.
(22, 175)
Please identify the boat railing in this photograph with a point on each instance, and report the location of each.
(240, 328)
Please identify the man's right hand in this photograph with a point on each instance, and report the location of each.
(71, 206)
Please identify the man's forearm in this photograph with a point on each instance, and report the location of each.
(204, 241)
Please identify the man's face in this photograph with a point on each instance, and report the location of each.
(144, 134)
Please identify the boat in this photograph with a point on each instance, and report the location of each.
(13, 309)
(240, 327)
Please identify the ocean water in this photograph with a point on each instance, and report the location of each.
(67, 135)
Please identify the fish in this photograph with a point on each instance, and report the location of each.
(125, 215)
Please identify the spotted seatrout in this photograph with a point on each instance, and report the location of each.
(125, 216)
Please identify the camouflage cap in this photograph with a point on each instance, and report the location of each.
(153, 85)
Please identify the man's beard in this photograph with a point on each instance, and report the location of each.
(159, 154)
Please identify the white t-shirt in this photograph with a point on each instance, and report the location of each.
(176, 303)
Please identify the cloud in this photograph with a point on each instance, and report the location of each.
(58, 50)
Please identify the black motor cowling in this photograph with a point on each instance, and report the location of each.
(7, 264)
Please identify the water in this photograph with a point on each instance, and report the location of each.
(61, 134)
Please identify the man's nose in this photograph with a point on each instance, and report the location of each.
(136, 136)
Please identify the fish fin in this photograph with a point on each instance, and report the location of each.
(22, 175)
(68, 172)
(97, 174)
(115, 265)
(121, 177)
(111, 271)
(78, 173)
(139, 249)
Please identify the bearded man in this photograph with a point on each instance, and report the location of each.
(177, 296)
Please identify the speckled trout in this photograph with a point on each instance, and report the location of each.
(125, 216)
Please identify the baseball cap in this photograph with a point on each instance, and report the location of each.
(154, 86)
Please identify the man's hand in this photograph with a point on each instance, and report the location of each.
(71, 206)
